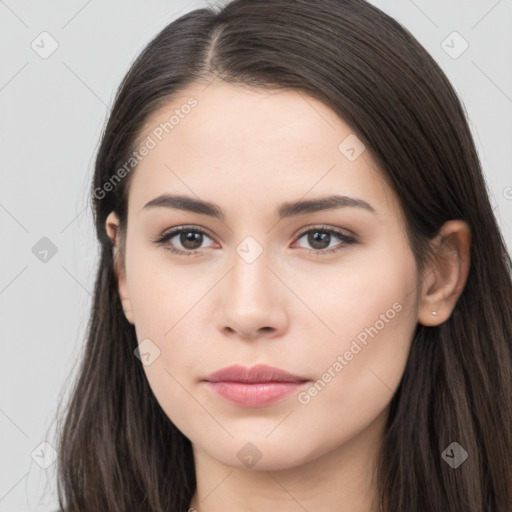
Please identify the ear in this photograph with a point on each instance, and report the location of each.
(447, 274)
(112, 227)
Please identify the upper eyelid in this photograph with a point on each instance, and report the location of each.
(178, 229)
(319, 227)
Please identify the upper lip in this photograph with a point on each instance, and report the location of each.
(258, 373)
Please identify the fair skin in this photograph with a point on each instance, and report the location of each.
(249, 151)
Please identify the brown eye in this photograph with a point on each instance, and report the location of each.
(190, 239)
(320, 240)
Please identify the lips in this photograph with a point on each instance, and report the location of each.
(257, 374)
(258, 386)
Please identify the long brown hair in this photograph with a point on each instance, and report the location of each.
(117, 448)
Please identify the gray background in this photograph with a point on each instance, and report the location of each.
(52, 113)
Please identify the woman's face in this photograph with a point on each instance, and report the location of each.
(267, 283)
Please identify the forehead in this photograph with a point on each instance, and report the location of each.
(230, 143)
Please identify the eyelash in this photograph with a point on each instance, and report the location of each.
(165, 237)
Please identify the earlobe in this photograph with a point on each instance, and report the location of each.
(447, 275)
(112, 228)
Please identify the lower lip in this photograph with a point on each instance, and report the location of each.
(254, 395)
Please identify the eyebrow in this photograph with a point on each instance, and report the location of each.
(285, 210)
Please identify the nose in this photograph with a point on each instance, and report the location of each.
(253, 304)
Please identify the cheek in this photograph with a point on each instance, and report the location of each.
(367, 287)
(162, 292)
(166, 300)
(373, 311)
(165, 305)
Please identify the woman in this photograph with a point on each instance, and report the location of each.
(303, 299)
